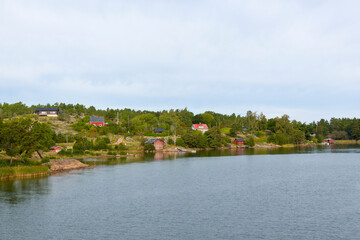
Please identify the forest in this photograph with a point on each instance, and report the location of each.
(176, 122)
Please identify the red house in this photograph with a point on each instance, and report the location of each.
(158, 143)
(56, 149)
(239, 141)
(97, 121)
(200, 127)
(329, 140)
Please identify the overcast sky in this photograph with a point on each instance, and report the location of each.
(300, 58)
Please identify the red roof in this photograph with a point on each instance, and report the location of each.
(200, 126)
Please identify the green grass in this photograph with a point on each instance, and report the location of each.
(22, 171)
(225, 130)
(346, 141)
(261, 140)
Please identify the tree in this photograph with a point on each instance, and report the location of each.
(207, 118)
(41, 138)
(356, 130)
(235, 127)
(214, 137)
(149, 147)
(23, 137)
(298, 137)
(250, 141)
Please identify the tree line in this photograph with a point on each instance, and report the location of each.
(279, 130)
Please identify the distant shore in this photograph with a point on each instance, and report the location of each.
(66, 163)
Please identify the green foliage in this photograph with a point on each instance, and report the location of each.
(149, 147)
(64, 152)
(129, 122)
(235, 128)
(22, 137)
(225, 130)
(194, 139)
(319, 138)
(61, 138)
(298, 137)
(101, 144)
(121, 147)
(22, 170)
(170, 141)
(214, 137)
(82, 144)
(250, 142)
(180, 142)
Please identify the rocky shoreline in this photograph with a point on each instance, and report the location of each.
(56, 165)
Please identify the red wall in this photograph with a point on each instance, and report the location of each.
(97, 124)
(159, 144)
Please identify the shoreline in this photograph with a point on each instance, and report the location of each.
(68, 163)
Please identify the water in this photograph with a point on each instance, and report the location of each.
(310, 193)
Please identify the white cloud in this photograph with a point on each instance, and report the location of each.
(289, 55)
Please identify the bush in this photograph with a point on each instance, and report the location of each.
(45, 159)
(170, 141)
(111, 153)
(250, 142)
(63, 152)
(78, 152)
(180, 142)
(149, 147)
(121, 147)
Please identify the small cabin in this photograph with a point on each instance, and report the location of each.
(239, 141)
(157, 142)
(56, 149)
(159, 130)
(329, 140)
(200, 127)
(97, 121)
(48, 112)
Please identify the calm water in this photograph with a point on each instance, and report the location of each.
(279, 194)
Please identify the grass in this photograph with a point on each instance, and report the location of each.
(346, 141)
(225, 130)
(261, 140)
(22, 171)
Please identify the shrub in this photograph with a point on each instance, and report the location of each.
(121, 147)
(180, 142)
(45, 159)
(111, 153)
(170, 141)
(63, 152)
(250, 142)
(149, 147)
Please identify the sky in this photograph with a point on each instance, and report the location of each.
(300, 58)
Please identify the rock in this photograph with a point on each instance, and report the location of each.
(65, 164)
(129, 139)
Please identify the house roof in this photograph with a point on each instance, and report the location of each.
(97, 119)
(240, 139)
(200, 126)
(159, 130)
(55, 147)
(152, 140)
(46, 109)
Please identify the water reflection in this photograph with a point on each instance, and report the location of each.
(14, 192)
(18, 191)
(160, 156)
